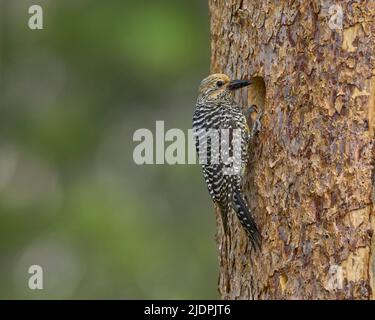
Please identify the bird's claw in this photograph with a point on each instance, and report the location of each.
(257, 126)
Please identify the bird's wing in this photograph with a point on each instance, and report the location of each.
(207, 139)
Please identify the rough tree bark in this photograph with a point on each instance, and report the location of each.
(310, 180)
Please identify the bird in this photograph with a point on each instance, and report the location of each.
(218, 123)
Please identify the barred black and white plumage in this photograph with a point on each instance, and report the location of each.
(216, 110)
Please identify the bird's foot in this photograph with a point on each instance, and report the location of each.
(257, 126)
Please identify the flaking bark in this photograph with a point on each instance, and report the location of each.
(310, 181)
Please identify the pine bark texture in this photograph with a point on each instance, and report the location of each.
(310, 181)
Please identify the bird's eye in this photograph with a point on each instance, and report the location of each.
(220, 83)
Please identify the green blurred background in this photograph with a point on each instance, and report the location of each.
(71, 198)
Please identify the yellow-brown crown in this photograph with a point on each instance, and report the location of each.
(214, 83)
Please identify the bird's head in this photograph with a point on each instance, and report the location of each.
(220, 85)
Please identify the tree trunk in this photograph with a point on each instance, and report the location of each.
(310, 181)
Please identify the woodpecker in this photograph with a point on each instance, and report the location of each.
(217, 111)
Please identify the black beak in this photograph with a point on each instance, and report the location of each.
(237, 84)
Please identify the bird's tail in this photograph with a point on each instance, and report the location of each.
(243, 213)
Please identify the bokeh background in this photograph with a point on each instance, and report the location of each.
(71, 198)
